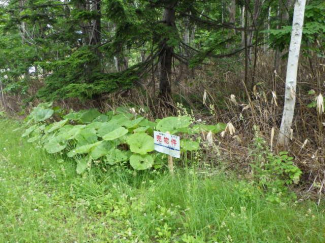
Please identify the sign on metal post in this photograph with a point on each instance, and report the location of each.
(167, 144)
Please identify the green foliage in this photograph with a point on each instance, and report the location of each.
(115, 156)
(141, 143)
(41, 112)
(188, 145)
(55, 39)
(82, 165)
(172, 124)
(90, 137)
(313, 28)
(273, 173)
(313, 103)
(70, 79)
(55, 145)
(141, 162)
(116, 206)
(117, 133)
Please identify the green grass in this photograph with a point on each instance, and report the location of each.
(42, 199)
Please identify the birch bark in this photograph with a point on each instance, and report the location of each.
(292, 68)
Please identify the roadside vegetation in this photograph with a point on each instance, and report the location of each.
(43, 199)
(234, 89)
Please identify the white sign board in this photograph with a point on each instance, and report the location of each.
(167, 144)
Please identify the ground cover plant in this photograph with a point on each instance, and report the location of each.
(90, 137)
(43, 199)
(124, 138)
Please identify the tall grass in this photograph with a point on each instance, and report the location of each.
(42, 199)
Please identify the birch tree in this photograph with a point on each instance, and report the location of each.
(292, 68)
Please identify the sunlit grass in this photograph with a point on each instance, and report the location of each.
(42, 199)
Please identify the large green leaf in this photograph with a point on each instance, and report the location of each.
(146, 126)
(146, 122)
(74, 116)
(29, 131)
(34, 138)
(133, 123)
(141, 162)
(37, 134)
(141, 143)
(86, 136)
(117, 133)
(101, 118)
(96, 125)
(141, 129)
(57, 125)
(171, 124)
(188, 145)
(82, 165)
(107, 127)
(115, 156)
(70, 132)
(190, 130)
(66, 128)
(40, 114)
(120, 119)
(84, 116)
(55, 145)
(101, 150)
(220, 127)
(85, 149)
(89, 115)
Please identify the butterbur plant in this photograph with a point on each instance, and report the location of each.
(122, 136)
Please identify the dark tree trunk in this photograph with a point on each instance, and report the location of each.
(92, 29)
(166, 56)
(95, 38)
(95, 33)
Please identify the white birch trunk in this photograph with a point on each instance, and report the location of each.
(292, 68)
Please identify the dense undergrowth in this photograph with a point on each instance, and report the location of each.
(44, 200)
(124, 138)
(117, 137)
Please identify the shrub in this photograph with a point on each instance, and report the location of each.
(272, 172)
